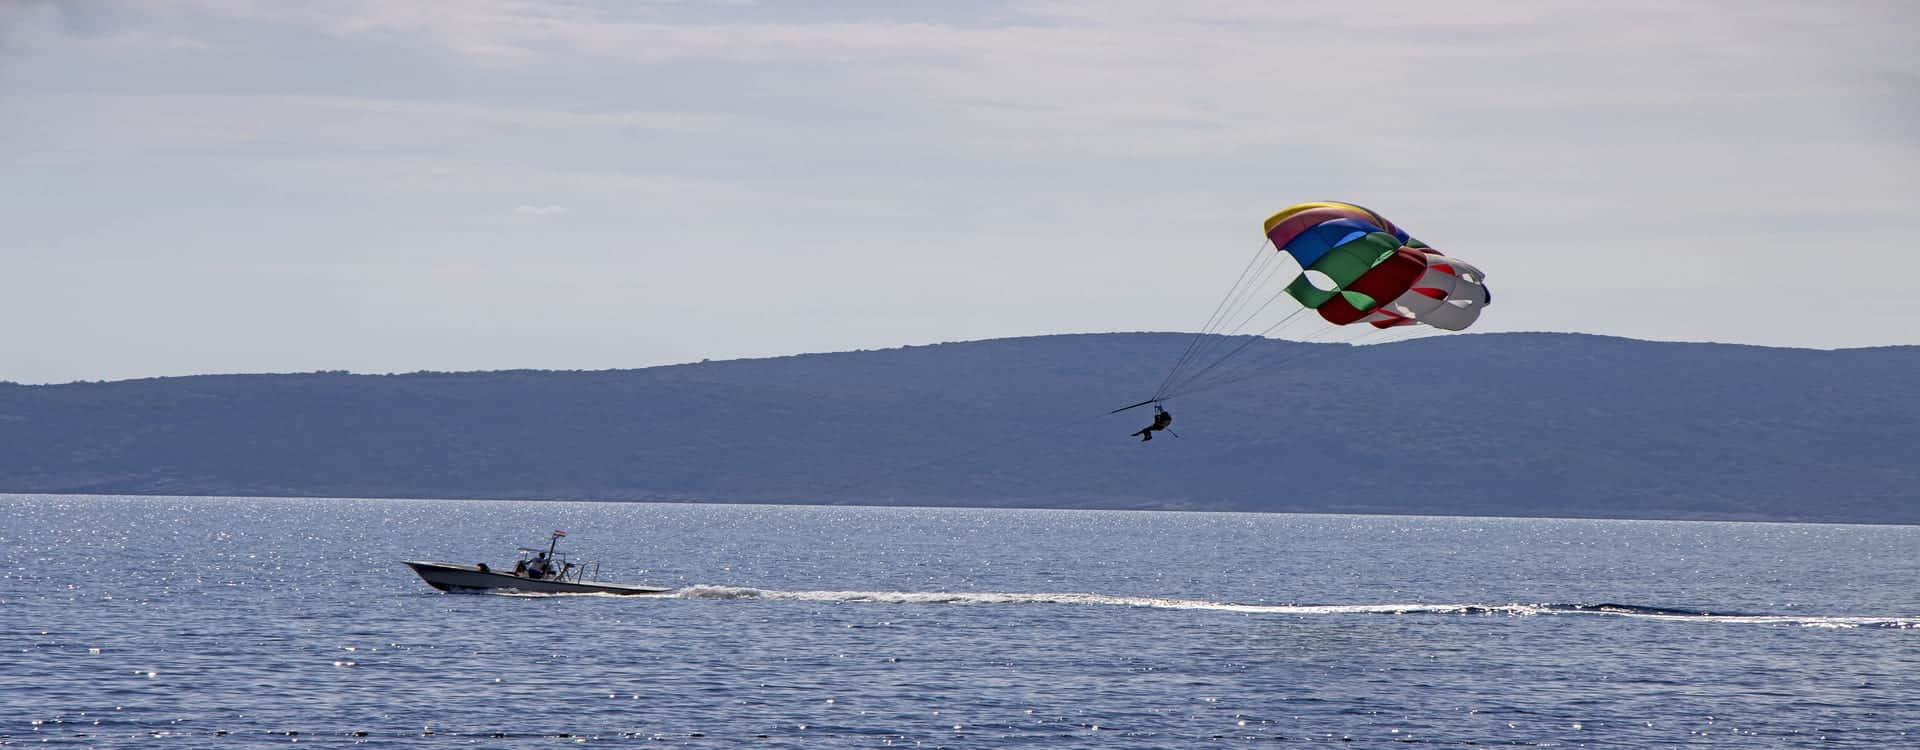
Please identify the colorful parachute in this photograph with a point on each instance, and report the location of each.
(1354, 266)
(1360, 268)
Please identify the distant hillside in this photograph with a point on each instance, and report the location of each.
(1496, 424)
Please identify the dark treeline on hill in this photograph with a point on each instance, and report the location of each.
(1496, 424)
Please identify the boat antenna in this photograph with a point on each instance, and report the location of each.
(554, 541)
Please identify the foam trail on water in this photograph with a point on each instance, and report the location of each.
(706, 591)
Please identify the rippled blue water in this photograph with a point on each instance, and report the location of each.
(199, 622)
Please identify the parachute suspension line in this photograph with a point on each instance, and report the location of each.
(1224, 340)
(1248, 292)
(1275, 297)
(1184, 385)
(1211, 346)
(1371, 337)
(1224, 378)
(1234, 320)
(1200, 381)
(1284, 328)
(1261, 258)
(1320, 350)
(1256, 267)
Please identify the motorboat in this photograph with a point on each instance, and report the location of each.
(539, 571)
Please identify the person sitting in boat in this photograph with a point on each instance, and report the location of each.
(538, 568)
(520, 568)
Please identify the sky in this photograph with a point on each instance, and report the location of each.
(206, 186)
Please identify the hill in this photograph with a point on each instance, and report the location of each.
(1493, 424)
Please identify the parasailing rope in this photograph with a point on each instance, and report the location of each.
(1240, 309)
(1260, 259)
(1224, 337)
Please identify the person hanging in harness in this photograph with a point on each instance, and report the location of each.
(1161, 418)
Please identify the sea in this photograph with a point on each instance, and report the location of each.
(247, 622)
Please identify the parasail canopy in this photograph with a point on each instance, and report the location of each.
(1354, 267)
(1357, 267)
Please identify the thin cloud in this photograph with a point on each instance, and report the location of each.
(96, 121)
(1010, 149)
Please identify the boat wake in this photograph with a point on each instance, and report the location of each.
(1514, 610)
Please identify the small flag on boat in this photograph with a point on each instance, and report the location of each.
(558, 532)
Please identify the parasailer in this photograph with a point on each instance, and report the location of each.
(1161, 420)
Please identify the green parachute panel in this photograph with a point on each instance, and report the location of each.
(1343, 265)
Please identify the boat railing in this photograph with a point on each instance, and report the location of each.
(577, 572)
(559, 567)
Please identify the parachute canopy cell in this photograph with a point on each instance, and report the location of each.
(1358, 267)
